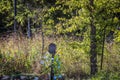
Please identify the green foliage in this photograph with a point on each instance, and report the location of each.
(5, 13)
(61, 17)
(106, 76)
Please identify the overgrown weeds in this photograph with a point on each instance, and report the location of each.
(22, 55)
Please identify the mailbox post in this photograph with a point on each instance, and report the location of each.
(52, 51)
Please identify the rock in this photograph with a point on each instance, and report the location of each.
(5, 78)
(22, 77)
(36, 78)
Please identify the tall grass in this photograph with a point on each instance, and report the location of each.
(22, 55)
(19, 54)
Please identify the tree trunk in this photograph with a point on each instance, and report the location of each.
(29, 33)
(15, 13)
(103, 44)
(42, 35)
(93, 57)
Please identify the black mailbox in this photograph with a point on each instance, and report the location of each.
(52, 48)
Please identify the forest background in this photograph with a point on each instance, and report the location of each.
(86, 32)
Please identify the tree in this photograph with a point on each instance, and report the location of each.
(93, 57)
(15, 13)
(6, 17)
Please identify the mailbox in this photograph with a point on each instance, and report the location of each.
(52, 48)
(52, 51)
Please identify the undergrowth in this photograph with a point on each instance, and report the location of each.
(22, 55)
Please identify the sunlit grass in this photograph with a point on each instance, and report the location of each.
(22, 55)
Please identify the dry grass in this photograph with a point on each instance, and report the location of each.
(19, 54)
